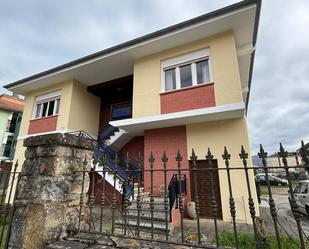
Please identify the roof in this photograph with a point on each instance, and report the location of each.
(11, 103)
(165, 38)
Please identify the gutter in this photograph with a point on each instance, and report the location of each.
(254, 39)
(148, 37)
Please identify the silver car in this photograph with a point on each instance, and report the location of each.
(301, 194)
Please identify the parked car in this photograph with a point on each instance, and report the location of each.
(301, 195)
(273, 180)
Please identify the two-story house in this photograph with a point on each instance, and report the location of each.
(185, 86)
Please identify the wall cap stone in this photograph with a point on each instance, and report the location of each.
(65, 139)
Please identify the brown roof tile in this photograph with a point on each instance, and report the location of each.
(11, 103)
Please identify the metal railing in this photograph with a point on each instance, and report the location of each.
(156, 209)
(147, 216)
(9, 179)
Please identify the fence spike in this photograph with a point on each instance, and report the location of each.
(243, 154)
(178, 157)
(226, 155)
(209, 156)
(304, 153)
(151, 158)
(164, 158)
(193, 156)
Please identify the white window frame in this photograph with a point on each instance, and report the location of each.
(192, 58)
(46, 98)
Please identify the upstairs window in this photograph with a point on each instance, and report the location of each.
(187, 70)
(47, 105)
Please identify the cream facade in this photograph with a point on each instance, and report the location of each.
(124, 87)
(224, 65)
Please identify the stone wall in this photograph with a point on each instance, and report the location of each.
(48, 193)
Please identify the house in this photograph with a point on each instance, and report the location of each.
(185, 86)
(11, 109)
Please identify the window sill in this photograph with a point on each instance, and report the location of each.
(52, 116)
(187, 88)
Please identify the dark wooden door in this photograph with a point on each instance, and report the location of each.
(204, 188)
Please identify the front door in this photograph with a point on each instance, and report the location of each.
(204, 188)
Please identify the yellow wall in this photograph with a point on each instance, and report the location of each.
(147, 74)
(84, 110)
(232, 134)
(79, 110)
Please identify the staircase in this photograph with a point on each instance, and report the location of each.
(106, 154)
(159, 215)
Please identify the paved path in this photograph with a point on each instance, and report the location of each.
(93, 241)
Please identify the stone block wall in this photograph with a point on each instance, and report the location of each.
(48, 192)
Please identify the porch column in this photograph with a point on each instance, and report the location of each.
(47, 201)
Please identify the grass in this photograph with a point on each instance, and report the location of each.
(247, 241)
(3, 241)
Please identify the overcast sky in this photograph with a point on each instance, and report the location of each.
(36, 35)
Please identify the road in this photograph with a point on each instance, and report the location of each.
(286, 219)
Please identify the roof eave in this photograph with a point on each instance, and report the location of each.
(148, 37)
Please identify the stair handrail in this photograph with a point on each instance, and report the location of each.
(113, 147)
(173, 190)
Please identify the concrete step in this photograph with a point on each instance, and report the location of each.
(158, 227)
(141, 189)
(147, 214)
(146, 218)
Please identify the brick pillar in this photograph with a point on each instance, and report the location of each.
(47, 201)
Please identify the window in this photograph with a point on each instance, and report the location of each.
(121, 111)
(187, 70)
(7, 147)
(170, 79)
(202, 72)
(185, 76)
(47, 105)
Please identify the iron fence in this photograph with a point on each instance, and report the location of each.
(147, 217)
(145, 211)
(9, 178)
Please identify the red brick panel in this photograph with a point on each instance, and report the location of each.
(43, 125)
(200, 96)
(108, 190)
(133, 147)
(169, 140)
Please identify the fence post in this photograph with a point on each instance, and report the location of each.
(209, 158)
(164, 161)
(180, 195)
(49, 189)
(226, 157)
(196, 197)
(244, 156)
(284, 154)
(151, 161)
(273, 211)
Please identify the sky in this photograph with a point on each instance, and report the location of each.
(36, 35)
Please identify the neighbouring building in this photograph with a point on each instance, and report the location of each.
(186, 86)
(11, 110)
